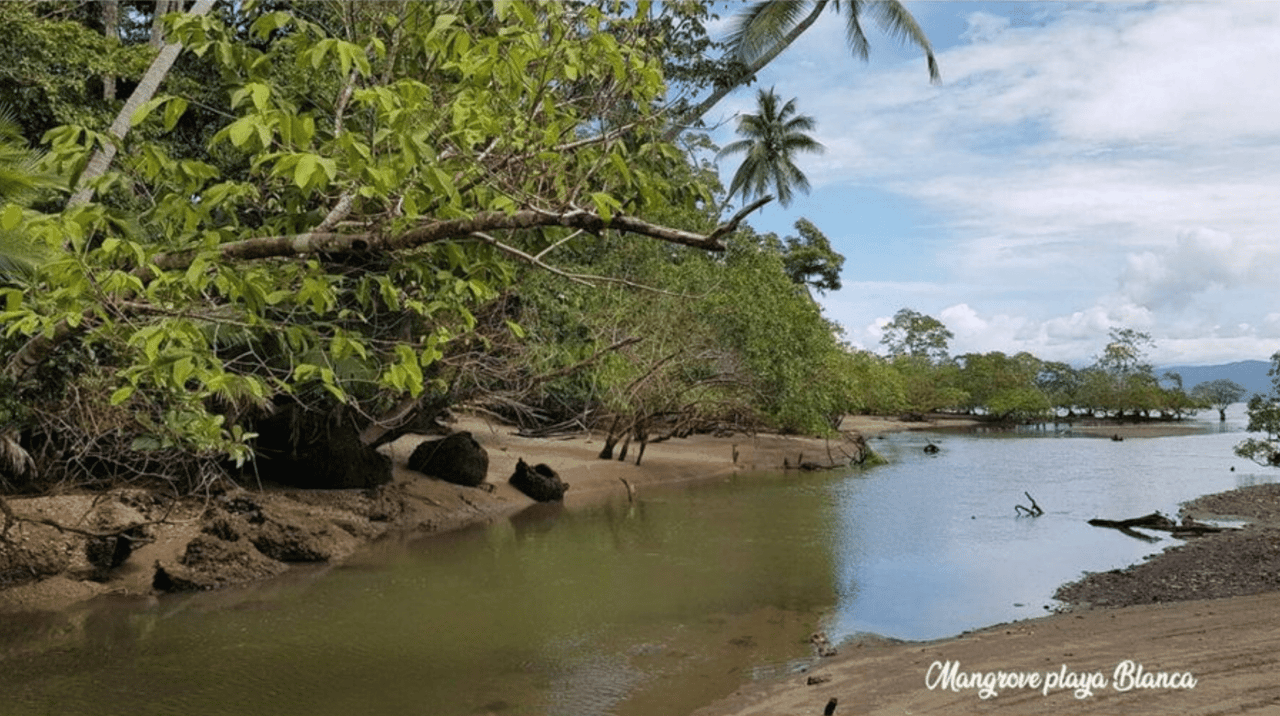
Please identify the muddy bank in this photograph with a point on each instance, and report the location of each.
(68, 548)
(1198, 619)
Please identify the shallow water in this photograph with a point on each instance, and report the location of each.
(654, 607)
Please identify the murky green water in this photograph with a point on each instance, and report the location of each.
(656, 607)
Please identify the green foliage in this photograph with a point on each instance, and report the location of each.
(1022, 387)
(809, 258)
(22, 180)
(373, 119)
(874, 386)
(729, 339)
(916, 335)
(1004, 386)
(1264, 417)
(1218, 394)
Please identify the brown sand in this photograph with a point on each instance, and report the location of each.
(1229, 646)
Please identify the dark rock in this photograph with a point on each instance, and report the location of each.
(539, 482)
(243, 506)
(300, 448)
(823, 645)
(457, 458)
(111, 551)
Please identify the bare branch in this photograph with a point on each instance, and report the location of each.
(264, 247)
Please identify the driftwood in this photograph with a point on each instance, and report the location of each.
(1033, 511)
(1157, 521)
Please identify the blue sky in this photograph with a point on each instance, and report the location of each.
(1081, 167)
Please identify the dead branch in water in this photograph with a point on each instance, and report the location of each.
(1033, 511)
(1157, 521)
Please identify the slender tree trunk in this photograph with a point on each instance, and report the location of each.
(689, 118)
(111, 29)
(36, 350)
(163, 7)
(145, 90)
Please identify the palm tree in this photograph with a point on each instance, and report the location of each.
(20, 180)
(764, 29)
(772, 138)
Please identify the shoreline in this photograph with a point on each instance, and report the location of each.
(48, 561)
(1225, 642)
(1197, 618)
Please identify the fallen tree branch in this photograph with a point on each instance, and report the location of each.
(264, 247)
(38, 348)
(1157, 521)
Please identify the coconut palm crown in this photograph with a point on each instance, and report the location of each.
(764, 29)
(771, 140)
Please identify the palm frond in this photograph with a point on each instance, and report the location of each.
(859, 46)
(760, 27)
(771, 137)
(897, 22)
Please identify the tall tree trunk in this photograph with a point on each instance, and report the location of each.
(111, 29)
(145, 90)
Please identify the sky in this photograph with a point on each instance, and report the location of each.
(1081, 167)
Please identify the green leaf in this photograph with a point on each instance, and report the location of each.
(605, 205)
(240, 130)
(12, 299)
(413, 369)
(182, 370)
(140, 115)
(307, 165)
(146, 442)
(173, 112)
(152, 346)
(11, 217)
(121, 394)
(265, 25)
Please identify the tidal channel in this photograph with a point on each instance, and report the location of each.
(653, 607)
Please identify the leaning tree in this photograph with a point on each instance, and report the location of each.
(375, 173)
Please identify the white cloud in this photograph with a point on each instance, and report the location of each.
(1101, 166)
(1200, 259)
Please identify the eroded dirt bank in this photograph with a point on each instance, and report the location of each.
(50, 558)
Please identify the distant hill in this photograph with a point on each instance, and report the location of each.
(1252, 374)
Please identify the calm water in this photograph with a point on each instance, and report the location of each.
(655, 607)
